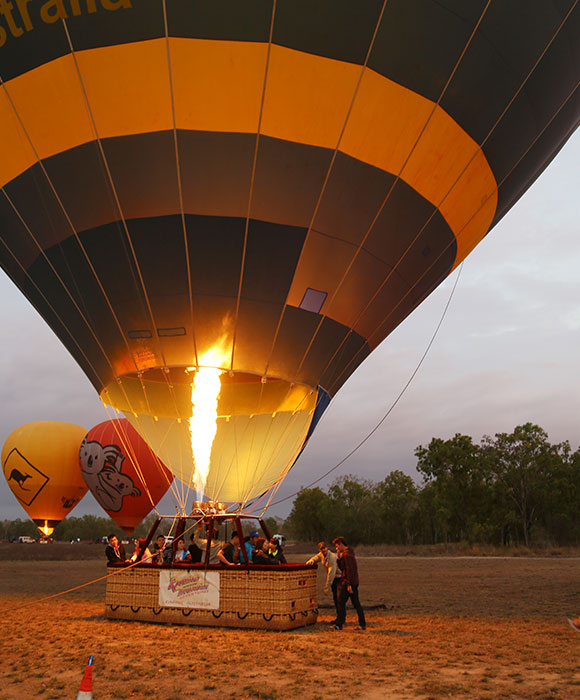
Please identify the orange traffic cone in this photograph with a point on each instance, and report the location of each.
(86, 689)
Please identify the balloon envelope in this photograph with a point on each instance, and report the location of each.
(268, 188)
(121, 471)
(40, 463)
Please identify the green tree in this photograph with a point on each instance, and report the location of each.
(307, 518)
(18, 528)
(272, 525)
(456, 472)
(353, 510)
(87, 527)
(398, 502)
(521, 464)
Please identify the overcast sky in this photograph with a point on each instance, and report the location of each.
(507, 353)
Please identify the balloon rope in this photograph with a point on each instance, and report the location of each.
(180, 185)
(438, 326)
(119, 428)
(459, 176)
(25, 272)
(395, 402)
(362, 73)
(59, 278)
(248, 479)
(75, 235)
(62, 323)
(281, 443)
(140, 281)
(282, 439)
(8, 610)
(252, 182)
(329, 300)
(434, 262)
(271, 491)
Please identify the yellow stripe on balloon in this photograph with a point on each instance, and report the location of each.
(217, 86)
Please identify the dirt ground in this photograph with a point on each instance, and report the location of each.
(477, 628)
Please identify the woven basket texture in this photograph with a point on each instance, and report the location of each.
(256, 598)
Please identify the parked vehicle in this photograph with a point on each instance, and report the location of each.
(26, 539)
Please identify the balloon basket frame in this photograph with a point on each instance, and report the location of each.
(280, 597)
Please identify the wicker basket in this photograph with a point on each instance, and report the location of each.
(274, 597)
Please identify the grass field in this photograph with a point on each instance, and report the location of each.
(481, 628)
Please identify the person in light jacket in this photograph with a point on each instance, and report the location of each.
(328, 559)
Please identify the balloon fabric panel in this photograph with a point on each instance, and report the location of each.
(122, 473)
(269, 189)
(40, 463)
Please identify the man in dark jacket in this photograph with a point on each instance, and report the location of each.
(348, 584)
(195, 551)
(229, 554)
(114, 550)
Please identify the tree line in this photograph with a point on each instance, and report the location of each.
(90, 528)
(85, 528)
(511, 489)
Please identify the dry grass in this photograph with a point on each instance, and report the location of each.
(452, 628)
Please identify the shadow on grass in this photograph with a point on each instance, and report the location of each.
(89, 618)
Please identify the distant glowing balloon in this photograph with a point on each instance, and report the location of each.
(122, 472)
(40, 463)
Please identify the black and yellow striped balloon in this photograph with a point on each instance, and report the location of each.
(284, 179)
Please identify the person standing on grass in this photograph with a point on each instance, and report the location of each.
(329, 561)
(348, 584)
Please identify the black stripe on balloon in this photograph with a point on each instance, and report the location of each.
(257, 319)
(288, 178)
(216, 171)
(539, 156)
(418, 44)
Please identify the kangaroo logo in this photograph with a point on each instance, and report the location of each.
(19, 478)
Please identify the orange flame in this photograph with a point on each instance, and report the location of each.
(45, 529)
(205, 391)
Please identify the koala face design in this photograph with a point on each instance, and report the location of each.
(101, 467)
(95, 457)
(92, 457)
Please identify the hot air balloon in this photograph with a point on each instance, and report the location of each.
(123, 474)
(221, 208)
(40, 463)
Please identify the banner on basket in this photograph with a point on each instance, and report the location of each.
(189, 589)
